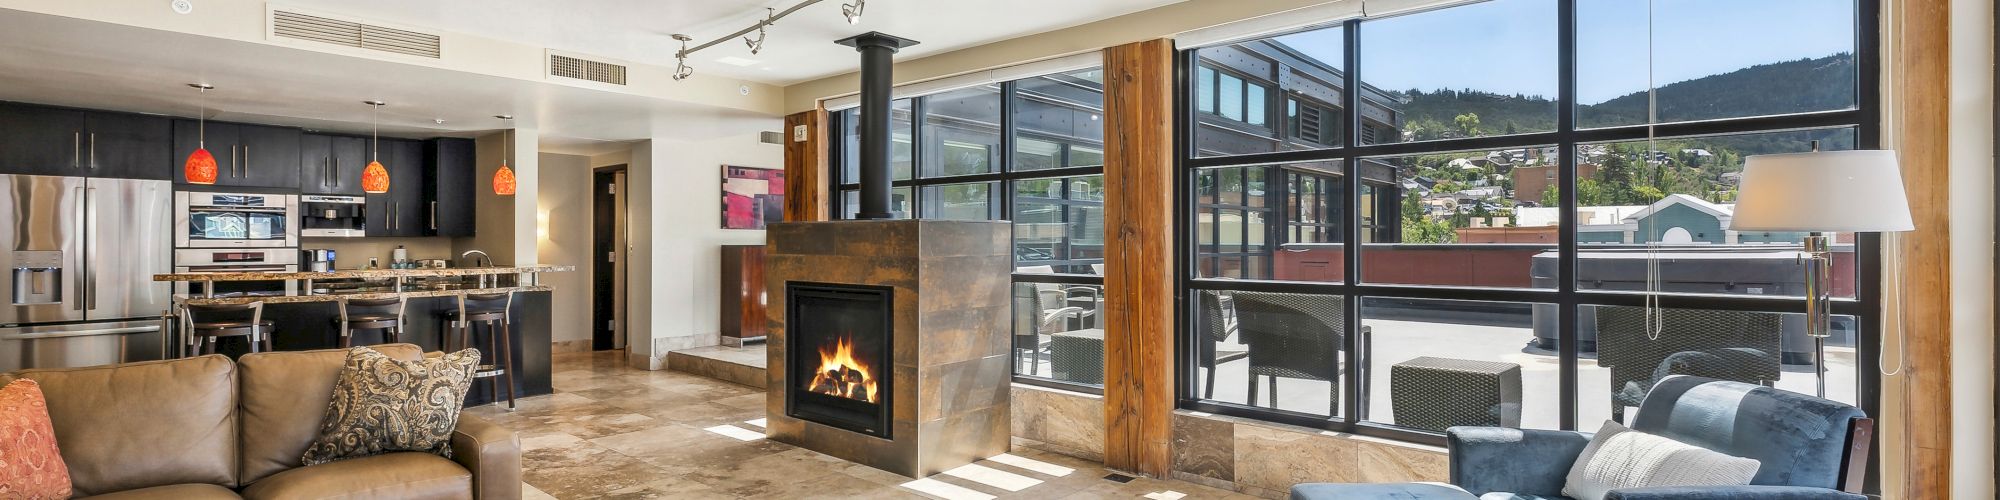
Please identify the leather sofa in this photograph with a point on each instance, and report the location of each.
(206, 427)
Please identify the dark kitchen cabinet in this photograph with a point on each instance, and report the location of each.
(401, 211)
(245, 155)
(48, 140)
(452, 182)
(40, 140)
(331, 164)
(129, 146)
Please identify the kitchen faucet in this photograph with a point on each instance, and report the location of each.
(475, 262)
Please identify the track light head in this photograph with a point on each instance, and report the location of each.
(853, 11)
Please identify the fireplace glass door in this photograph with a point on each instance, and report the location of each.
(837, 348)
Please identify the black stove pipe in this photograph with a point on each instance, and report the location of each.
(876, 50)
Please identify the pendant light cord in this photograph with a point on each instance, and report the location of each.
(201, 121)
(377, 138)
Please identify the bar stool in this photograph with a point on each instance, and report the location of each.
(384, 315)
(225, 320)
(497, 361)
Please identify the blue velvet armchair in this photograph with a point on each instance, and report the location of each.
(1809, 448)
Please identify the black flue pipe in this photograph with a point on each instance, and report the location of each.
(876, 51)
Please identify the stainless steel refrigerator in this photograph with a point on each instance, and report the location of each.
(80, 263)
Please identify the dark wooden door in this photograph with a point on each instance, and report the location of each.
(406, 192)
(129, 146)
(270, 157)
(316, 164)
(603, 269)
(452, 179)
(41, 140)
(350, 156)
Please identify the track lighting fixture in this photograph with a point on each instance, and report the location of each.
(681, 69)
(757, 45)
(853, 11)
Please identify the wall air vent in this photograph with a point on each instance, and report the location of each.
(585, 69)
(297, 26)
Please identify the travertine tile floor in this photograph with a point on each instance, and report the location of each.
(612, 431)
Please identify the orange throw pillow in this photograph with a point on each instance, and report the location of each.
(30, 464)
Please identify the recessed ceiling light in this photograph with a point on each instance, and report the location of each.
(737, 61)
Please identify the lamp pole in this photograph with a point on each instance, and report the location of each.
(1819, 300)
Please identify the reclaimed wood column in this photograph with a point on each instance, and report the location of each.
(1138, 258)
(1920, 76)
(805, 167)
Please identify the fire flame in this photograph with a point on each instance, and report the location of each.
(840, 374)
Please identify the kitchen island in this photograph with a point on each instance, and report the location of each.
(307, 319)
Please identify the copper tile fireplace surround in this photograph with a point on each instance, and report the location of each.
(946, 391)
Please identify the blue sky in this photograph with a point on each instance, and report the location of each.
(1509, 46)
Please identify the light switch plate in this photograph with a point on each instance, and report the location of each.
(798, 133)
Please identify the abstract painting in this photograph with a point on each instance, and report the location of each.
(752, 196)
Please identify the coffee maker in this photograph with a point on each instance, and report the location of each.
(319, 260)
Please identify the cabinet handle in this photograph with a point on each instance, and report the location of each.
(395, 215)
(75, 145)
(434, 215)
(93, 151)
(232, 160)
(246, 160)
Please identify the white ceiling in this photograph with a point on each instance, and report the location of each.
(798, 48)
(72, 62)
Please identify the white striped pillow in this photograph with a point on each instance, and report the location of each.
(1619, 458)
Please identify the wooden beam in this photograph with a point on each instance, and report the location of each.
(805, 167)
(1921, 77)
(1138, 262)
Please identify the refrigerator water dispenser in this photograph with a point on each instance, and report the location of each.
(38, 277)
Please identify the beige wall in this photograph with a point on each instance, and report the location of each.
(1149, 24)
(1972, 202)
(676, 266)
(505, 229)
(353, 253)
(565, 215)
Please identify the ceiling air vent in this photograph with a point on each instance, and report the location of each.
(585, 69)
(324, 29)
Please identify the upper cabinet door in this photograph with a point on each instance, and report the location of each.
(41, 140)
(406, 191)
(129, 146)
(271, 157)
(315, 164)
(453, 182)
(350, 156)
(221, 142)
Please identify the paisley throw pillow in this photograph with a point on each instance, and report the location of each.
(30, 464)
(383, 405)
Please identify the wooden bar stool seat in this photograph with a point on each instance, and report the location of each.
(216, 322)
(496, 356)
(383, 315)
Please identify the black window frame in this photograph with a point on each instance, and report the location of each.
(1004, 177)
(1864, 118)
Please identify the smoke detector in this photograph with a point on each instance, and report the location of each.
(182, 6)
(743, 89)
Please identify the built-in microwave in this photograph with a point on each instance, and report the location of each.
(235, 220)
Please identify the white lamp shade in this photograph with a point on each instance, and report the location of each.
(1828, 191)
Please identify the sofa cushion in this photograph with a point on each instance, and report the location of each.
(30, 464)
(137, 425)
(197, 491)
(382, 405)
(284, 394)
(395, 475)
(1798, 439)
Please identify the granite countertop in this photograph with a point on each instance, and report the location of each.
(197, 300)
(360, 273)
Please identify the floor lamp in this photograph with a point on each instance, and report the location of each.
(1819, 193)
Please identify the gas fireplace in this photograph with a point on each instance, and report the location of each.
(843, 342)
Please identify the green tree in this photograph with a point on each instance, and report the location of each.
(1468, 124)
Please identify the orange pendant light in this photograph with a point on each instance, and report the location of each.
(375, 178)
(200, 168)
(503, 179)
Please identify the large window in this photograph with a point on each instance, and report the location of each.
(1030, 151)
(1482, 240)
